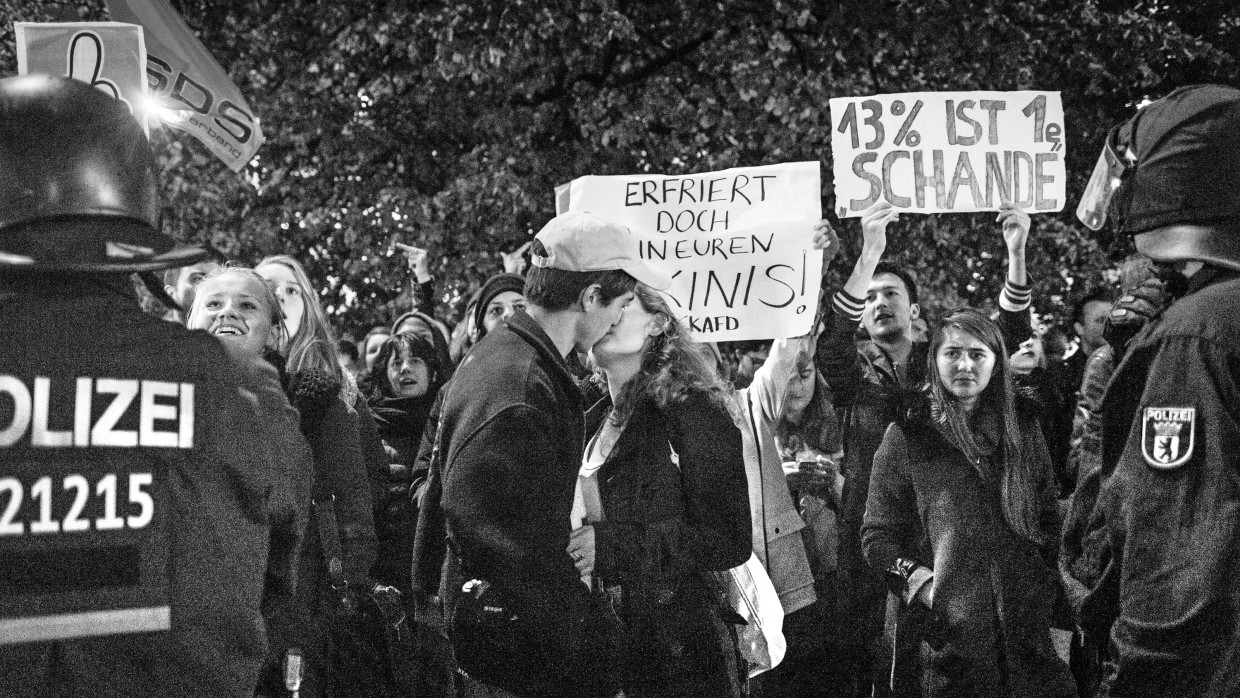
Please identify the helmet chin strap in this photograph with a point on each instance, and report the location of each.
(1172, 275)
(155, 286)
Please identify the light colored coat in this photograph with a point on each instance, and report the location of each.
(776, 524)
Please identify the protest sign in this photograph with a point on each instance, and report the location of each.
(195, 93)
(929, 152)
(738, 243)
(108, 55)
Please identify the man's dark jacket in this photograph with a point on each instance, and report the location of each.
(511, 442)
(868, 394)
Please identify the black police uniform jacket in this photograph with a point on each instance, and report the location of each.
(1170, 500)
(675, 502)
(511, 441)
(231, 487)
(994, 591)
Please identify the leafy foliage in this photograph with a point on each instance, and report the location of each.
(449, 123)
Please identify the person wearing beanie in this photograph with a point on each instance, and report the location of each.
(500, 297)
(428, 328)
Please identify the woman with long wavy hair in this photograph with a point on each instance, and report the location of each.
(327, 400)
(961, 517)
(661, 502)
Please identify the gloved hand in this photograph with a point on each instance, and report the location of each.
(1133, 310)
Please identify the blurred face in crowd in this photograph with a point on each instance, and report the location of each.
(627, 338)
(235, 308)
(371, 351)
(600, 317)
(1029, 356)
(417, 327)
(748, 363)
(1093, 322)
(920, 330)
(187, 279)
(800, 389)
(965, 365)
(408, 375)
(289, 292)
(501, 307)
(888, 314)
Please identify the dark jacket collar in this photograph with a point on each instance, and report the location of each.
(525, 327)
(883, 363)
(1209, 274)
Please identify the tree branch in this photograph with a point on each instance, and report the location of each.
(599, 78)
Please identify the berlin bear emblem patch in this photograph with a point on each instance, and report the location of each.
(1167, 435)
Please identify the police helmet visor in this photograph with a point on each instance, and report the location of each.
(1106, 183)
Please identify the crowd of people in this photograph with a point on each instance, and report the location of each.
(546, 498)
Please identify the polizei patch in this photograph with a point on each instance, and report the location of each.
(1167, 435)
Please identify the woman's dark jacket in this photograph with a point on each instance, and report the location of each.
(994, 592)
(676, 507)
(400, 423)
(331, 428)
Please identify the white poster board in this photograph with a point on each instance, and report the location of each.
(110, 56)
(932, 152)
(738, 243)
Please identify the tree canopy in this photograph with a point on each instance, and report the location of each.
(449, 123)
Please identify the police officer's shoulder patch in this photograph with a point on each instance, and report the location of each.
(1167, 435)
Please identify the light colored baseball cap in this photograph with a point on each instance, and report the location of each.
(581, 241)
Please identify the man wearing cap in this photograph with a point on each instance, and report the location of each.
(511, 441)
(1169, 596)
(147, 505)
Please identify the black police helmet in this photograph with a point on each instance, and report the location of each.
(1181, 196)
(78, 189)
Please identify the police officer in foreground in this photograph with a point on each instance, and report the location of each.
(143, 510)
(1170, 494)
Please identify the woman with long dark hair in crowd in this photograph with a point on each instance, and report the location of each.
(423, 325)
(662, 502)
(326, 399)
(961, 517)
(405, 385)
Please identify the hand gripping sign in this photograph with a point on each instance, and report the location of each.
(738, 243)
(930, 152)
(110, 56)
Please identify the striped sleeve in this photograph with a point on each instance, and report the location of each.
(1015, 298)
(848, 305)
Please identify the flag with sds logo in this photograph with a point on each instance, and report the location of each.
(193, 91)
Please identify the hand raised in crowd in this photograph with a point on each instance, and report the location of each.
(581, 549)
(417, 259)
(826, 239)
(514, 262)
(1015, 224)
(874, 228)
(1133, 310)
